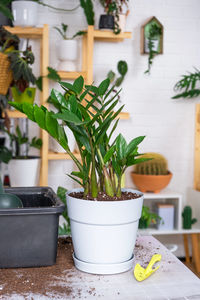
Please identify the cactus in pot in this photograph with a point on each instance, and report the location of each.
(188, 221)
(151, 175)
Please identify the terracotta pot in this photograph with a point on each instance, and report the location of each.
(151, 183)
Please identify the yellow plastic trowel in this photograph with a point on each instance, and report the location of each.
(141, 273)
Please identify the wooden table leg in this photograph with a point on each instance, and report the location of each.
(195, 251)
(186, 247)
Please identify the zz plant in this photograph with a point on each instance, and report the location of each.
(93, 123)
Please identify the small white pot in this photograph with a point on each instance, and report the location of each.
(104, 233)
(155, 45)
(25, 13)
(67, 54)
(122, 22)
(56, 147)
(24, 172)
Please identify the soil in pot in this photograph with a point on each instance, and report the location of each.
(105, 197)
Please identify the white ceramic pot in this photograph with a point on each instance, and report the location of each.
(122, 22)
(67, 54)
(25, 13)
(155, 45)
(24, 172)
(104, 233)
(56, 147)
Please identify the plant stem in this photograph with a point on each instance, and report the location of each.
(56, 8)
(119, 192)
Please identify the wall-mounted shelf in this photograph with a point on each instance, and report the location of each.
(60, 156)
(27, 32)
(71, 75)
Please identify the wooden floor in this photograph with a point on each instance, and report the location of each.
(190, 266)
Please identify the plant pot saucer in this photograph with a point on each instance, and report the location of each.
(103, 269)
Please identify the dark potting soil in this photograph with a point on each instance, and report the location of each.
(103, 197)
(41, 281)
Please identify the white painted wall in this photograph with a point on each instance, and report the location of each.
(168, 124)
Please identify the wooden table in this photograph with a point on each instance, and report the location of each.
(171, 281)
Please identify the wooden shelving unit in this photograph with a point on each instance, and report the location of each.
(86, 72)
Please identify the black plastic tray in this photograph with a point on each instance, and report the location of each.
(28, 235)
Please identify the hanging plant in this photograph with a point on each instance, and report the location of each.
(154, 33)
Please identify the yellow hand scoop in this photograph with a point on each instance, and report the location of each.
(141, 273)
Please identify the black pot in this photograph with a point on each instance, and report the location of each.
(106, 22)
(29, 235)
(4, 20)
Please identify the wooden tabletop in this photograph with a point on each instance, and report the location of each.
(63, 282)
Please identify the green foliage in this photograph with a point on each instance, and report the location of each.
(148, 218)
(20, 65)
(87, 6)
(188, 221)
(5, 10)
(65, 229)
(155, 32)
(155, 164)
(8, 41)
(188, 85)
(63, 32)
(122, 68)
(5, 154)
(18, 139)
(90, 121)
(52, 75)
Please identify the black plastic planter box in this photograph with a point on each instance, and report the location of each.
(28, 235)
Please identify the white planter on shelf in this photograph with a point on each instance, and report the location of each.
(24, 172)
(25, 13)
(122, 22)
(56, 147)
(104, 233)
(67, 54)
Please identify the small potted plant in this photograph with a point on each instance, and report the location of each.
(152, 43)
(114, 18)
(151, 175)
(9, 43)
(68, 49)
(23, 169)
(21, 62)
(104, 218)
(147, 218)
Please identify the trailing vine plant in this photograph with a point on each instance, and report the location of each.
(155, 32)
(188, 85)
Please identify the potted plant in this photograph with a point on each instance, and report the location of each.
(104, 219)
(152, 43)
(23, 169)
(21, 62)
(151, 175)
(68, 49)
(8, 42)
(114, 18)
(147, 218)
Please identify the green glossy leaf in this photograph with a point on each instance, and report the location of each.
(68, 86)
(28, 109)
(51, 125)
(40, 117)
(109, 154)
(133, 145)
(121, 146)
(103, 86)
(78, 84)
(68, 116)
(62, 138)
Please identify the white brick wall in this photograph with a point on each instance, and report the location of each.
(168, 124)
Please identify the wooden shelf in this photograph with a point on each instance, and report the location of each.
(124, 116)
(71, 75)
(26, 32)
(109, 36)
(60, 156)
